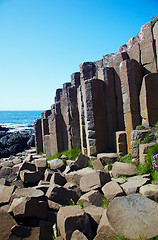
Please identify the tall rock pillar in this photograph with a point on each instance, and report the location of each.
(131, 78)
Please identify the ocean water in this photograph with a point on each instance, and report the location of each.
(19, 120)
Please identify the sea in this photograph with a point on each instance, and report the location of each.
(19, 121)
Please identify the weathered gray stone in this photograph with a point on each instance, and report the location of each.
(93, 181)
(5, 194)
(132, 185)
(105, 230)
(58, 178)
(82, 161)
(28, 207)
(61, 195)
(28, 192)
(28, 166)
(76, 175)
(48, 174)
(71, 218)
(94, 212)
(143, 150)
(150, 191)
(41, 164)
(93, 197)
(123, 169)
(97, 165)
(111, 190)
(53, 205)
(57, 164)
(134, 216)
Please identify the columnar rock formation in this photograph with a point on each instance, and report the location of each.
(114, 94)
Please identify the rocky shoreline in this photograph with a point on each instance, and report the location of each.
(65, 199)
(12, 143)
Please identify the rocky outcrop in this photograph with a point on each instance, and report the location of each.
(73, 204)
(114, 94)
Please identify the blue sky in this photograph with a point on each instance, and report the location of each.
(42, 42)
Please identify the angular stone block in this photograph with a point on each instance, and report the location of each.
(123, 169)
(71, 218)
(121, 143)
(111, 190)
(91, 198)
(38, 136)
(93, 181)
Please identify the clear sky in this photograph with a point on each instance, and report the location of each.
(42, 42)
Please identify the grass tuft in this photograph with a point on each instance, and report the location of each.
(72, 154)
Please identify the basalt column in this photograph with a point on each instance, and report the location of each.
(148, 99)
(44, 125)
(107, 75)
(74, 129)
(93, 94)
(131, 78)
(56, 126)
(38, 136)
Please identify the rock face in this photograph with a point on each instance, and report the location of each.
(114, 94)
(134, 216)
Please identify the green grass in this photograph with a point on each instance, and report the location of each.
(156, 124)
(105, 202)
(147, 167)
(126, 158)
(153, 22)
(139, 127)
(72, 154)
(148, 138)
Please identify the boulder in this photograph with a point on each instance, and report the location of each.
(57, 164)
(97, 165)
(71, 218)
(6, 223)
(5, 194)
(132, 185)
(93, 197)
(58, 178)
(94, 212)
(28, 207)
(111, 190)
(28, 166)
(123, 169)
(77, 235)
(41, 164)
(105, 230)
(61, 195)
(150, 191)
(134, 216)
(82, 161)
(28, 192)
(76, 175)
(47, 174)
(53, 205)
(31, 177)
(107, 157)
(94, 180)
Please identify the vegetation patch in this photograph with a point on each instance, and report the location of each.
(151, 163)
(71, 154)
(126, 158)
(105, 202)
